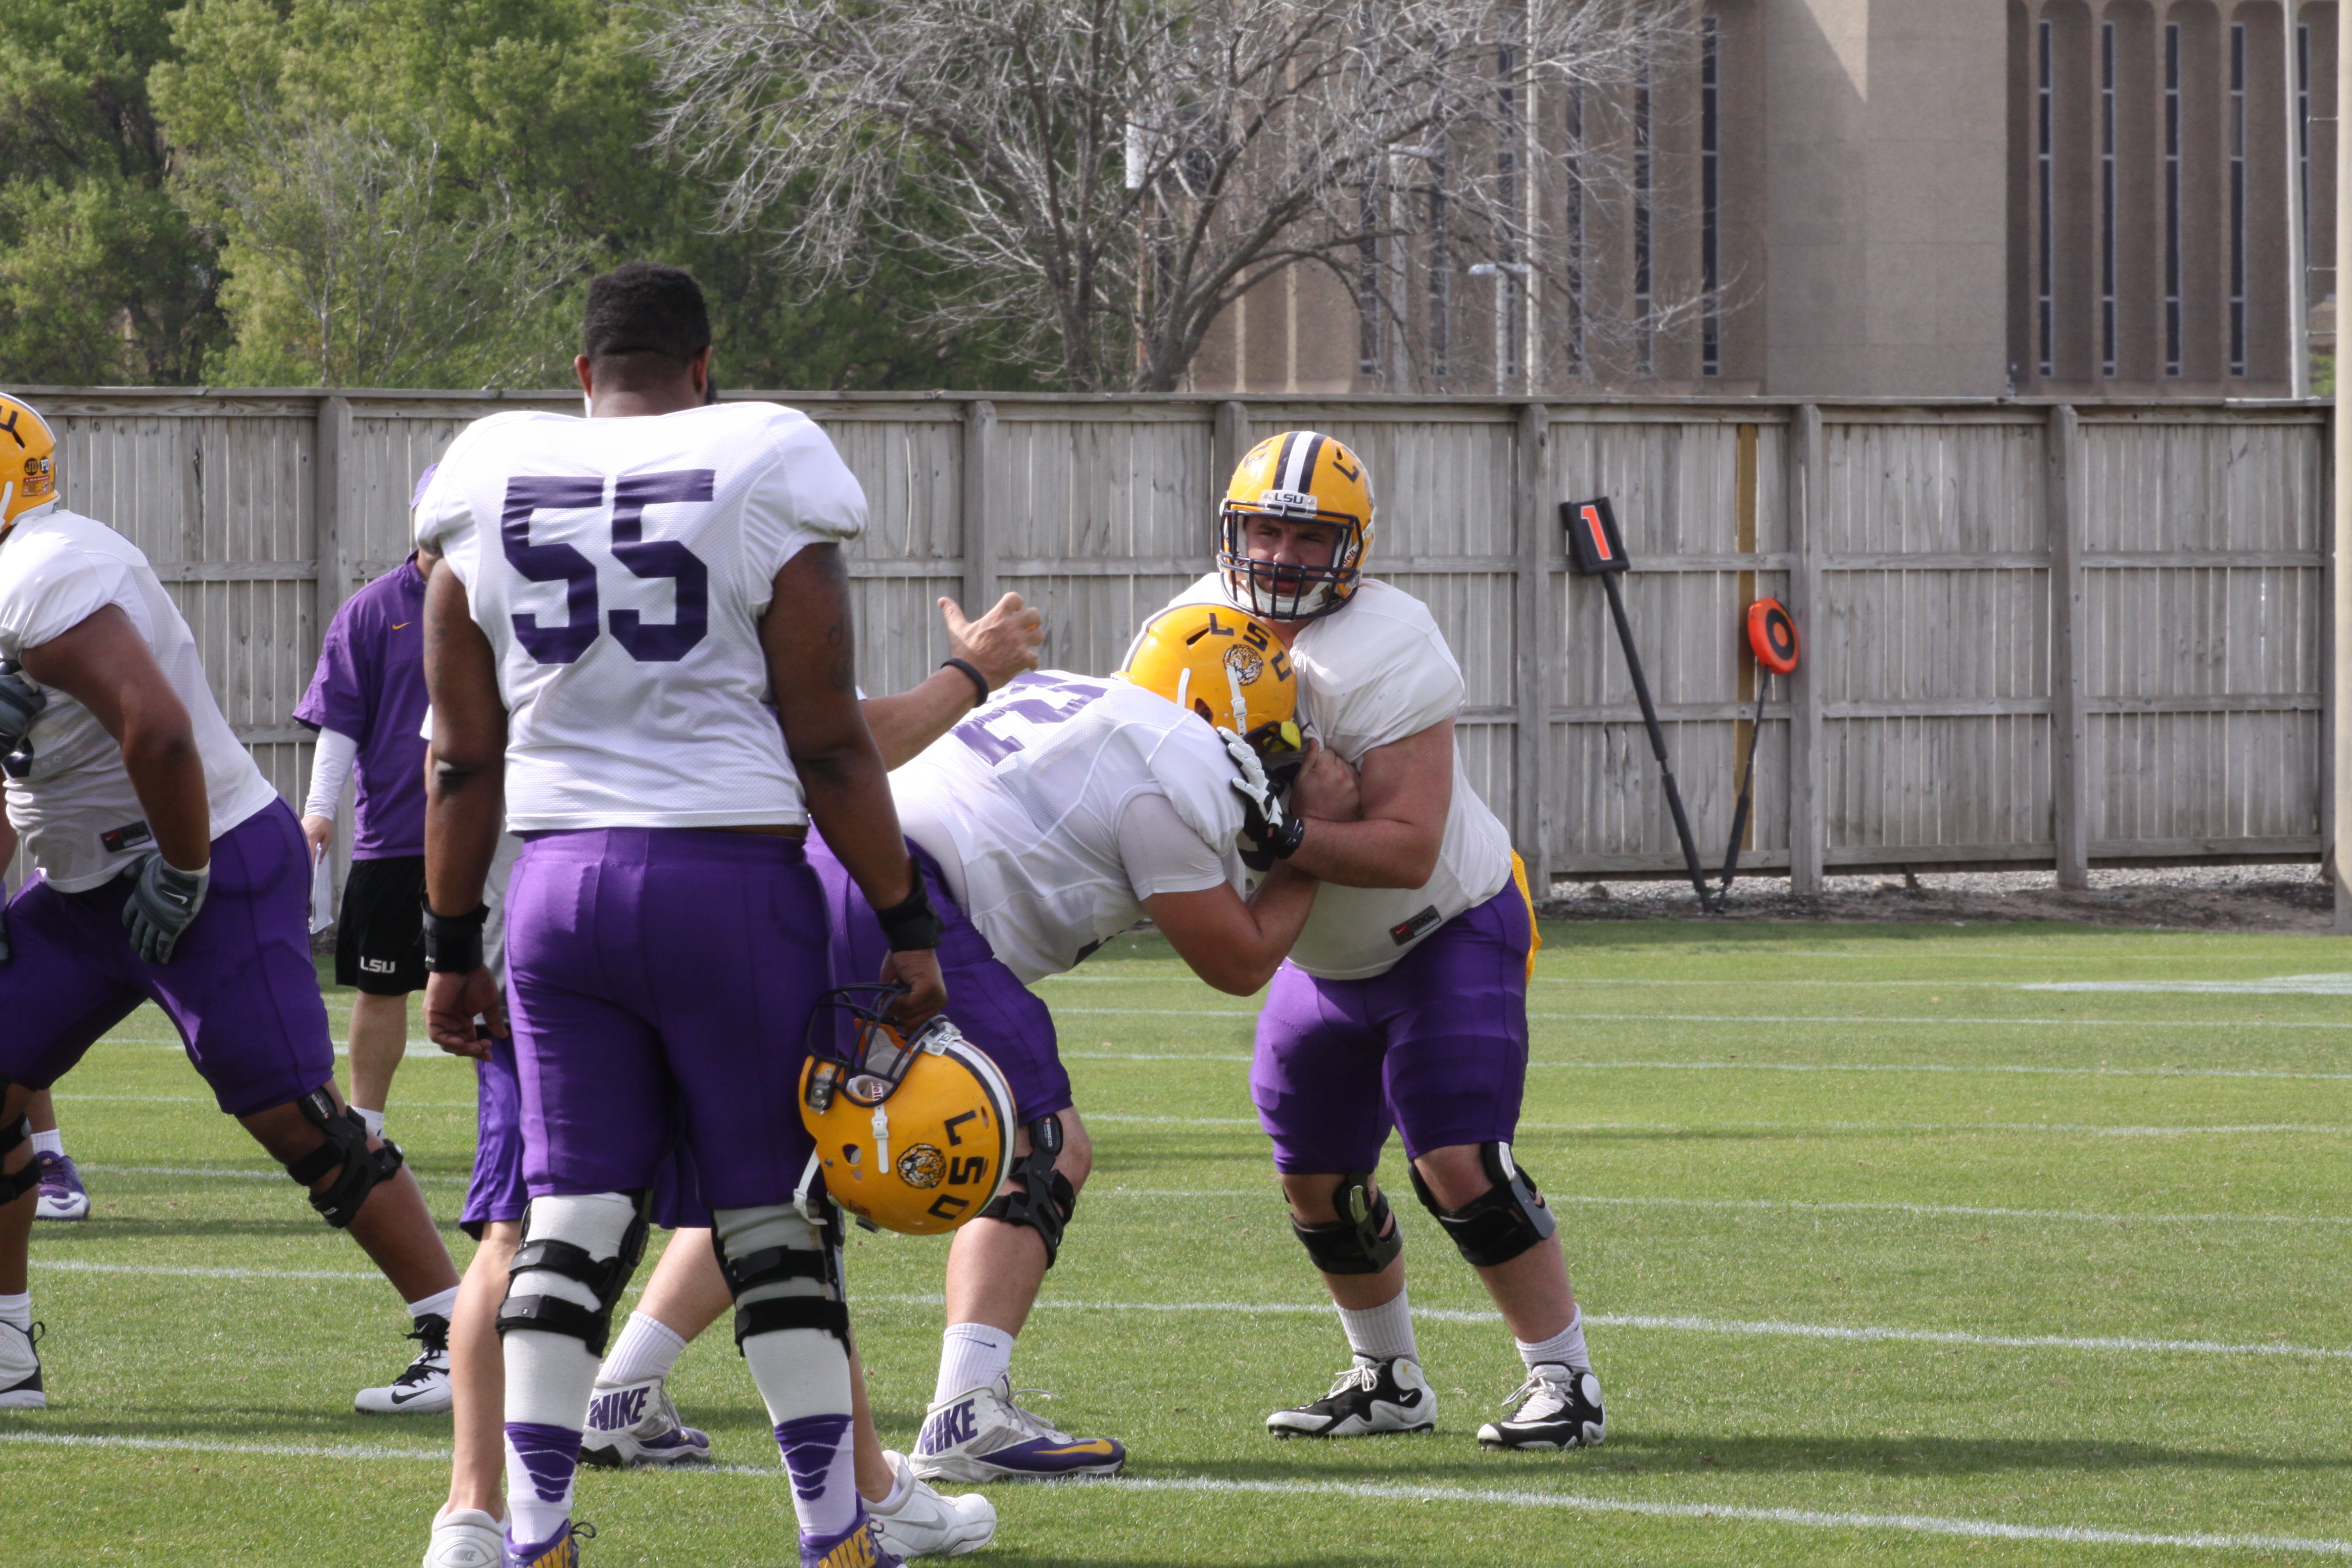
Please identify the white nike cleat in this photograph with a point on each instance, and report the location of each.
(1375, 1397)
(927, 1524)
(1559, 1407)
(422, 1387)
(20, 1368)
(981, 1435)
(632, 1424)
(466, 1538)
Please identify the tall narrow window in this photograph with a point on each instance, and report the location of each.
(1508, 342)
(2172, 198)
(1368, 282)
(1572, 225)
(1710, 200)
(2046, 269)
(2302, 136)
(2237, 198)
(1642, 355)
(2107, 199)
(1441, 274)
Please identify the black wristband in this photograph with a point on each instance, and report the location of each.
(1283, 838)
(913, 924)
(452, 943)
(979, 681)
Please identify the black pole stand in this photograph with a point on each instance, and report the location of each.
(1746, 781)
(1596, 549)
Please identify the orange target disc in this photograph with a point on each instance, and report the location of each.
(1772, 635)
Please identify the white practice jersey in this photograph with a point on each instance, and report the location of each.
(1371, 673)
(1022, 805)
(80, 819)
(621, 568)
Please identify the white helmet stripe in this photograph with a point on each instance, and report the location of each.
(1300, 466)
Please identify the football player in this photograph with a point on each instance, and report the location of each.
(639, 654)
(366, 704)
(170, 872)
(1404, 1003)
(1047, 823)
(631, 1419)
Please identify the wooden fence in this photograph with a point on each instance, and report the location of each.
(2036, 634)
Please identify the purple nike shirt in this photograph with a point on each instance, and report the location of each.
(370, 685)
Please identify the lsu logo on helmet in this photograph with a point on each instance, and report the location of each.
(28, 460)
(1299, 476)
(1230, 670)
(914, 1133)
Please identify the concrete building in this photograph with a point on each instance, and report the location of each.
(1874, 198)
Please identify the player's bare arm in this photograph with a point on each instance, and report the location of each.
(106, 665)
(812, 667)
(464, 802)
(1235, 944)
(998, 646)
(1405, 787)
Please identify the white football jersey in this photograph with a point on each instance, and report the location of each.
(1374, 672)
(621, 568)
(80, 819)
(1021, 804)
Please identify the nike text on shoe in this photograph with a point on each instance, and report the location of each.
(466, 1538)
(855, 1547)
(1375, 1397)
(422, 1387)
(1559, 1407)
(20, 1368)
(632, 1424)
(561, 1549)
(927, 1524)
(62, 1195)
(981, 1435)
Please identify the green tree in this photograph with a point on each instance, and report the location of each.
(102, 277)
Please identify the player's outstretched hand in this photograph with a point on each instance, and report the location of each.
(452, 1003)
(1326, 787)
(1001, 644)
(164, 903)
(917, 969)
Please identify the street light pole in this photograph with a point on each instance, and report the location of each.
(1503, 273)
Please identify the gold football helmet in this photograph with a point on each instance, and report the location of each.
(914, 1133)
(1298, 476)
(1230, 670)
(28, 460)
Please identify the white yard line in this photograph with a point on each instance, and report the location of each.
(2090, 1129)
(1872, 1021)
(1794, 1205)
(1362, 1492)
(2010, 1067)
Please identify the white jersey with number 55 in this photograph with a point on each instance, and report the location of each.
(620, 569)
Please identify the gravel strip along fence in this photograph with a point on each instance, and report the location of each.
(2290, 898)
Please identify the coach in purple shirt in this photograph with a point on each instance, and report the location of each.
(367, 702)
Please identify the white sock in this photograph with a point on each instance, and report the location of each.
(1565, 1348)
(53, 1142)
(972, 1355)
(375, 1119)
(17, 1311)
(441, 1304)
(550, 1376)
(1383, 1331)
(804, 1379)
(902, 1483)
(647, 1348)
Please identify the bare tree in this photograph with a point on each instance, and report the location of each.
(1111, 174)
(369, 271)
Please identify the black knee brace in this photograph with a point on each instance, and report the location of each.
(1500, 1222)
(346, 1146)
(592, 1326)
(1041, 1198)
(1364, 1239)
(13, 1187)
(776, 1265)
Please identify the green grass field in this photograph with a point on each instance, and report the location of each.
(1888, 1255)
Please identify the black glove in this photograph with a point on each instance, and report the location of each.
(163, 900)
(1269, 831)
(20, 702)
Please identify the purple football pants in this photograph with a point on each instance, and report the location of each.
(1436, 1048)
(660, 981)
(240, 988)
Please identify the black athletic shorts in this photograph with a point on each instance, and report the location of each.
(379, 934)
